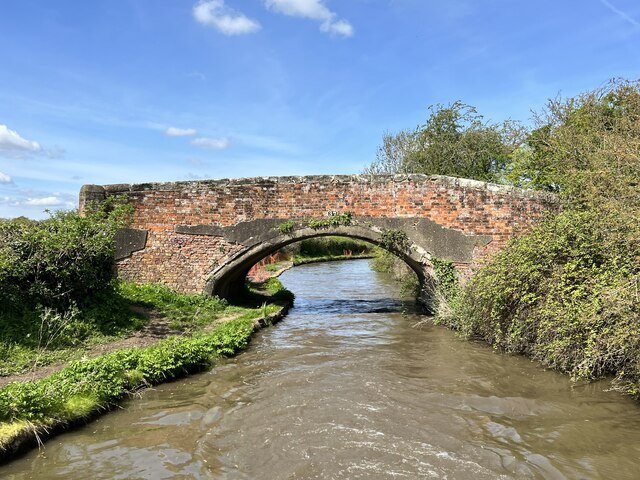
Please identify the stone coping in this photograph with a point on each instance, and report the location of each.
(196, 185)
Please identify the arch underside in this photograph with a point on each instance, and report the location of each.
(228, 279)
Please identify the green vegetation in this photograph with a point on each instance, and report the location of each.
(185, 313)
(59, 301)
(392, 239)
(321, 249)
(86, 387)
(286, 227)
(56, 289)
(273, 267)
(41, 336)
(566, 293)
(563, 294)
(455, 141)
(47, 337)
(331, 221)
(385, 261)
(330, 247)
(58, 262)
(269, 290)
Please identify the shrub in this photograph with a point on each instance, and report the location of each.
(564, 294)
(59, 261)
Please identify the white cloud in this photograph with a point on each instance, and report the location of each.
(341, 27)
(12, 142)
(314, 10)
(224, 19)
(211, 143)
(4, 178)
(180, 132)
(44, 202)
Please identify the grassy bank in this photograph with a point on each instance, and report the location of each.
(208, 329)
(37, 337)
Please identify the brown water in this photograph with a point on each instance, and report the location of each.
(346, 388)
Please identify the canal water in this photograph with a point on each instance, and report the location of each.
(347, 387)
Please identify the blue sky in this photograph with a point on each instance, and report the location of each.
(121, 91)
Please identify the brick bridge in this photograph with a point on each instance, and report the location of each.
(204, 236)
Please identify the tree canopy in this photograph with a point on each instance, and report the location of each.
(455, 141)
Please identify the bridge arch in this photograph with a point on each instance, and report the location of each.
(227, 279)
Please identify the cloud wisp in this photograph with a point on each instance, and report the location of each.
(314, 10)
(180, 132)
(44, 202)
(625, 16)
(5, 179)
(226, 20)
(12, 142)
(211, 143)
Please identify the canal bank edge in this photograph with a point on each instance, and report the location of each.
(226, 340)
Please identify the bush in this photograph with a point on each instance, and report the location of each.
(59, 261)
(565, 294)
(387, 262)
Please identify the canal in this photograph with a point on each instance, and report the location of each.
(347, 387)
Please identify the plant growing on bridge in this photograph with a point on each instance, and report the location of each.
(340, 219)
(286, 227)
(447, 292)
(394, 239)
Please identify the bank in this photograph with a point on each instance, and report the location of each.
(32, 411)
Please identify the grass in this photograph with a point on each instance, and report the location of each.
(88, 386)
(10, 430)
(31, 339)
(267, 291)
(184, 312)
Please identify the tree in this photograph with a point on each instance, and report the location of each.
(586, 148)
(391, 155)
(455, 141)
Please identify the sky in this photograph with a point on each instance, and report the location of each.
(126, 91)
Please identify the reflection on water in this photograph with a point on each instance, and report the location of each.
(346, 388)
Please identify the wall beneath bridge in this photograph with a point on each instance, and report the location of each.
(199, 236)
